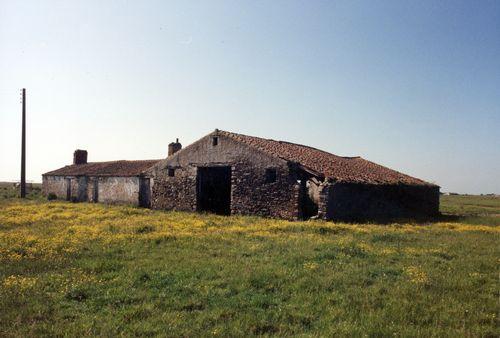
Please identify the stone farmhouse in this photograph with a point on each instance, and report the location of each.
(228, 173)
(108, 182)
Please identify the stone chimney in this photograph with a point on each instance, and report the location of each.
(174, 147)
(80, 156)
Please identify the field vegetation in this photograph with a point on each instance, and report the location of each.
(82, 269)
(10, 190)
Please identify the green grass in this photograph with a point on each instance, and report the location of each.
(472, 209)
(85, 270)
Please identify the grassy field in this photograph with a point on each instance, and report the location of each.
(84, 269)
(472, 209)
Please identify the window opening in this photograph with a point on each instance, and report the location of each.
(270, 175)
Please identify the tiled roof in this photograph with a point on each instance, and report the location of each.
(112, 168)
(342, 169)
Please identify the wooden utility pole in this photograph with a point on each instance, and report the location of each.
(23, 148)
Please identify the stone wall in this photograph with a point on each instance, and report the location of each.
(109, 189)
(177, 192)
(54, 184)
(118, 190)
(250, 193)
(351, 202)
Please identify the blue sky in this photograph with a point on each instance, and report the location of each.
(413, 85)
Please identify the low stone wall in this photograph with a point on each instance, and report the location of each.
(378, 202)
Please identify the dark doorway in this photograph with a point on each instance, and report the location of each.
(68, 189)
(214, 190)
(144, 192)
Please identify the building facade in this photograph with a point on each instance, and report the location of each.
(108, 182)
(218, 174)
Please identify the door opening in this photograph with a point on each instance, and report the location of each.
(309, 196)
(214, 190)
(68, 189)
(82, 193)
(144, 192)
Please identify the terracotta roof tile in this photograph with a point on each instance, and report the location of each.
(342, 169)
(111, 168)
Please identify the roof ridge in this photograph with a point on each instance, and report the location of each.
(288, 142)
(342, 168)
(397, 171)
(114, 161)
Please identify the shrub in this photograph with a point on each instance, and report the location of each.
(51, 196)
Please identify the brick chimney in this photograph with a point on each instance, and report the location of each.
(80, 156)
(174, 147)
